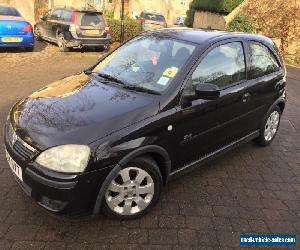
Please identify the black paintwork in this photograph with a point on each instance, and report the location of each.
(120, 124)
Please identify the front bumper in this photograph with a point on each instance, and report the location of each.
(62, 194)
(27, 41)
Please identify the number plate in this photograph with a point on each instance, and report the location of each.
(92, 32)
(14, 166)
(11, 39)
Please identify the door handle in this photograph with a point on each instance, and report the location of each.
(246, 97)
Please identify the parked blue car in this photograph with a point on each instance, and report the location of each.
(15, 31)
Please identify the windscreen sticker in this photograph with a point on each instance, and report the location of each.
(170, 72)
(163, 81)
(135, 68)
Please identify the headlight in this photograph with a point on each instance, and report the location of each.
(66, 158)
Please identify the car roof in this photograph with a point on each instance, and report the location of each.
(77, 9)
(6, 5)
(201, 36)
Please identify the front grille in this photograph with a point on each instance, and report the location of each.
(23, 151)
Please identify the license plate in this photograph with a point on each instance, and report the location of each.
(14, 166)
(92, 32)
(11, 39)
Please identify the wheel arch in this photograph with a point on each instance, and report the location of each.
(157, 153)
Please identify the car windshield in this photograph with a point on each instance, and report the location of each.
(154, 17)
(8, 11)
(146, 62)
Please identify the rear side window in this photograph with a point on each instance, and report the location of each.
(55, 15)
(8, 11)
(66, 16)
(222, 66)
(154, 17)
(263, 62)
(90, 19)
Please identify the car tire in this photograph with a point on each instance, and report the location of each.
(61, 42)
(37, 34)
(134, 190)
(269, 127)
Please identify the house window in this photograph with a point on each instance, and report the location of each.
(183, 2)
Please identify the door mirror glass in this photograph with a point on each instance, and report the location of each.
(207, 91)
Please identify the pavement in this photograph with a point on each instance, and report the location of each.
(249, 190)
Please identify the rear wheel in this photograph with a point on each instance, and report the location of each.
(134, 191)
(62, 43)
(270, 127)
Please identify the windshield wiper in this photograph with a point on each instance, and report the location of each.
(105, 76)
(110, 78)
(141, 89)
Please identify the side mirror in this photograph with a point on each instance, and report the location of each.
(43, 18)
(207, 91)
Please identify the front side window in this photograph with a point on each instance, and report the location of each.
(263, 61)
(222, 66)
(149, 62)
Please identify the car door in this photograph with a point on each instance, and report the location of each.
(266, 80)
(204, 126)
(53, 23)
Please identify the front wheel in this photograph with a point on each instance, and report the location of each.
(37, 34)
(270, 127)
(134, 190)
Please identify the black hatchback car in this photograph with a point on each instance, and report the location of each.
(73, 28)
(159, 106)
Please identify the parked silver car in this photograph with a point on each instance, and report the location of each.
(152, 20)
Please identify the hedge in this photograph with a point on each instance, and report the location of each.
(132, 28)
(241, 23)
(216, 6)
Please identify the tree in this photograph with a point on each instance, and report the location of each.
(278, 19)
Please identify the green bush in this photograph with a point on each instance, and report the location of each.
(132, 28)
(241, 23)
(189, 21)
(216, 6)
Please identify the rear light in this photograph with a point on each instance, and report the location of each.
(107, 29)
(74, 17)
(27, 28)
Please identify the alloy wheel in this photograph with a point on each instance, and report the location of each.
(130, 192)
(271, 126)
